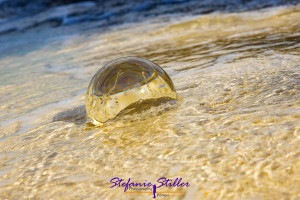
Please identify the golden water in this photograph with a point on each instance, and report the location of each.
(234, 134)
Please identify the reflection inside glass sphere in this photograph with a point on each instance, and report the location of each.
(125, 82)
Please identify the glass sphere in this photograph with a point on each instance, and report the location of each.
(124, 82)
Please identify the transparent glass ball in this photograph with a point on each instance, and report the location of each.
(125, 82)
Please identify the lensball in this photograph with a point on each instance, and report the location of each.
(125, 82)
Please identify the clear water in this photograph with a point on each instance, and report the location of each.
(233, 135)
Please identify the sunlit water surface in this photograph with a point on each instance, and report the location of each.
(234, 133)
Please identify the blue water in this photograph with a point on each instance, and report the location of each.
(58, 13)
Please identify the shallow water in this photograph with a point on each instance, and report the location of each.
(234, 133)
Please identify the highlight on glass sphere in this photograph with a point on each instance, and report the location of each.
(125, 83)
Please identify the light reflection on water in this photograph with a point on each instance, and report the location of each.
(233, 134)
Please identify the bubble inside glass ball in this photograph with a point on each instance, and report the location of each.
(124, 82)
